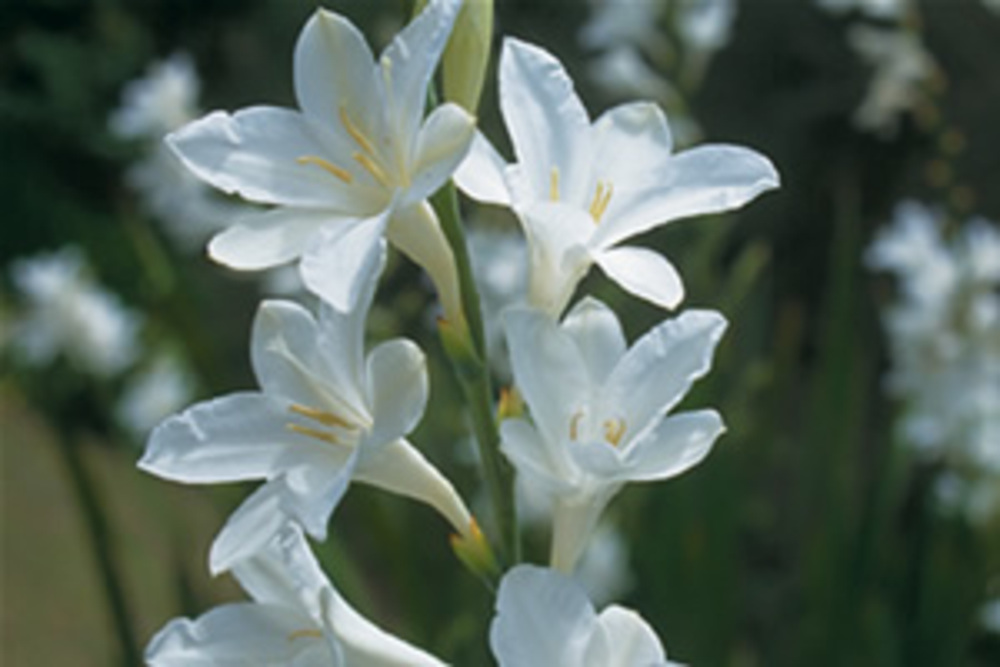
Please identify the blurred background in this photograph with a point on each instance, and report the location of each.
(851, 514)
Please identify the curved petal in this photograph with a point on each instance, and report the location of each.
(661, 366)
(408, 63)
(542, 618)
(237, 634)
(706, 179)
(481, 174)
(544, 464)
(558, 258)
(442, 144)
(644, 273)
(237, 437)
(255, 522)
(334, 68)
(397, 390)
(548, 370)
(548, 124)
(315, 491)
(630, 640)
(598, 335)
(264, 239)
(256, 153)
(676, 444)
(337, 268)
(400, 468)
(632, 143)
(573, 521)
(285, 572)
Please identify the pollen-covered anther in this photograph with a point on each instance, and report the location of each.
(602, 197)
(554, 184)
(372, 167)
(309, 633)
(328, 419)
(359, 137)
(327, 166)
(614, 429)
(574, 425)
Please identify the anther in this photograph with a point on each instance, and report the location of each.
(371, 167)
(614, 429)
(327, 166)
(325, 418)
(355, 132)
(554, 184)
(302, 634)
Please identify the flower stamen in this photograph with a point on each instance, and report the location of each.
(327, 166)
(302, 634)
(614, 429)
(323, 417)
(327, 419)
(602, 197)
(554, 184)
(574, 425)
(325, 436)
(372, 167)
(359, 137)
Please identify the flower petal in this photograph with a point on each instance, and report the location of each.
(644, 273)
(598, 335)
(285, 572)
(256, 153)
(544, 464)
(341, 264)
(630, 640)
(237, 437)
(548, 124)
(558, 257)
(398, 388)
(659, 368)
(442, 144)
(481, 174)
(255, 522)
(676, 444)
(334, 69)
(410, 60)
(264, 239)
(632, 143)
(706, 179)
(574, 519)
(542, 618)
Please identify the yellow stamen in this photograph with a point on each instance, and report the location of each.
(356, 134)
(371, 167)
(327, 166)
(602, 197)
(325, 436)
(614, 429)
(302, 634)
(574, 426)
(554, 184)
(326, 418)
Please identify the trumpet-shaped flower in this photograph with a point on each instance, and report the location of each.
(580, 189)
(599, 409)
(355, 164)
(296, 618)
(325, 415)
(545, 619)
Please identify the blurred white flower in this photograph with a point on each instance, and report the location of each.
(901, 64)
(296, 618)
(989, 616)
(543, 618)
(604, 569)
(879, 9)
(944, 340)
(599, 409)
(706, 25)
(159, 390)
(160, 102)
(622, 73)
(616, 23)
(66, 312)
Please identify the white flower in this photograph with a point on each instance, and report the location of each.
(66, 312)
(544, 619)
(603, 569)
(879, 9)
(157, 392)
(623, 73)
(161, 101)
(617, 23)
(599, 409)
(356, 163)
(296, 618)
(325, 415)
(581, 189)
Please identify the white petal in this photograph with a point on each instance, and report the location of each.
(706, 179)
(632, 143)
(254, 523)
(398, 388)
(268, 238)
(238, 634)
(481, 174)
(442, 144)
(255, 153)
(542, 618)
(548, 370)
(678, 443)
(557, 234)
(234, 438)
(660, 367)
(334, 69)
(285, 572)
(338, 267)
(541, 463)
(400, 468)
(598, 335)
(644, 273)
(574, 519)
(316, 490)
(630, 640)
(548, 124)
(410, 60)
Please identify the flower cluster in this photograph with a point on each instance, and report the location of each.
(944, 334)
(345, 177)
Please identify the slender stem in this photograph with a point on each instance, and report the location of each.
(101, 544)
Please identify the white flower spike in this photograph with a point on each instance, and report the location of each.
(580, 188)
(544, 619)
(325, 415)
(355, 164)
(599, 409)
(297, 618)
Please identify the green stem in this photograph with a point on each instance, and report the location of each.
(101, 543)
(472, 371)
